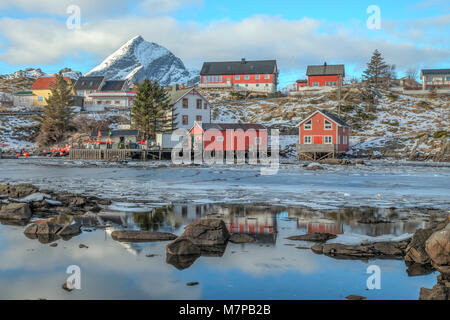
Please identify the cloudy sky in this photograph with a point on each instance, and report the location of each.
(34, 33)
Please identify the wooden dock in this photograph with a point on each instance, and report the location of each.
(317, 151)
(116, 154)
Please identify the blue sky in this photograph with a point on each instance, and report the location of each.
(297, 33)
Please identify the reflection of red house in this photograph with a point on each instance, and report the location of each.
(229, 136)
(321, 227)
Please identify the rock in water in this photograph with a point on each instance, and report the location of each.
(17, 191)
(315, 166)
(241, 238)
(314, 237)
(15, 211)
(138, 59)
(183, 246)
(355, 297)
(207, 232)
(141, 236)
(415, 251)
(438, 248)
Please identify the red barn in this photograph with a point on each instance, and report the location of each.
(323, 134)
(249, 75)
(325, 75)
(228, 136)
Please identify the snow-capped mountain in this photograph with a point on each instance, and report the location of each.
(138, 59)
(30, 73)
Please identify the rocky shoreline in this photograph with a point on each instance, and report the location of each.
(56, 216)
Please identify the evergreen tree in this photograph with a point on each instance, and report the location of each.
(56, 120)
(377, 72)
(152, 112)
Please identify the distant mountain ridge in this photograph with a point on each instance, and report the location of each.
(138, 60)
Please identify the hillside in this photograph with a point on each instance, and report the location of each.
(400, 126)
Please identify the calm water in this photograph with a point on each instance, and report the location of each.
(271, 268)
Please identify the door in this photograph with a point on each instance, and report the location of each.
(318, 139)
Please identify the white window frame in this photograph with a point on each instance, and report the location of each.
(237, 77)
(307, 126)
(220, 138)
(309, 138)
(267, 76)
(339, 139)
(328, 142)
(246, 77)
(257, 77)
(325, 125)
(258, 141)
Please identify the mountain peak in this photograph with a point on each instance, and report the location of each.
(139, 59)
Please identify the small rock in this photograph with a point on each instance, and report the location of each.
(142, 236)
(315, 166)
(190, 284)
(355, 297)
(67, 287)
(241, 238)
(53, 245)
(82, 246)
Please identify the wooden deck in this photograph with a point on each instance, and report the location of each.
(317, 151)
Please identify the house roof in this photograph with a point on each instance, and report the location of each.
(330, 116)
(24, 93)
(175, 95)
(232, 126)
(435, 71)
(89, 83)
(45, 83)
(116, 85)
(324, 69)
(115, 133)
(239, 67)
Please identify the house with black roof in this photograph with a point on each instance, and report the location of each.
(435, 78)
(260, 75)
(325, 75)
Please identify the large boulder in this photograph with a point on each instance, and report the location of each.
(207, 232)
(441, 291)
(43, 228)
(17, 191)
(15, 211)
(438, 249)
(362, 251)
(415, 251)
(141, 236)
(183, 246)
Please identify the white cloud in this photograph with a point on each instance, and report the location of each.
(294, 43)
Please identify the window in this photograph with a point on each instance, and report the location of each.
(246, 77)
(205, 79)
(220, 138)
(199, 103)
(205, 106)
(237, 77)
(267, 76)
(308, 125)
(40, 99)
(185, 103)
(307, 140)
(328, 125)
(339, 139)
(345, 139)
(257, 77)
(257, 84)
(220, 78)
(99, 102)
(315, 84)
(331, 84)
(257, 141)
(108, 102)
(198, 118)
(185, 120)
(246, 84)
(448, 78)
(117, 102)
(328, 139)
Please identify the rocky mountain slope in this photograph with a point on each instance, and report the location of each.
(139, 59)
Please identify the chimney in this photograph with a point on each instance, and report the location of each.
(174, 87)
(243, 61)
(325, 64)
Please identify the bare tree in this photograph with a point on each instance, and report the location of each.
(412, 73)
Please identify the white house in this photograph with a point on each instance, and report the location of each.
(189, 106)
(23, 99)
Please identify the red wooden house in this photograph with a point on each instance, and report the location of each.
(325, 75)
(323, 134)
(228, 136)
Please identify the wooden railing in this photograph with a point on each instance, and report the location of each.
(316, 148)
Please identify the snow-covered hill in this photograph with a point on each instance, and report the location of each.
(139, 59)
(30, 73)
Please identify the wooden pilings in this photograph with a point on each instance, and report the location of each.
(114, 154)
